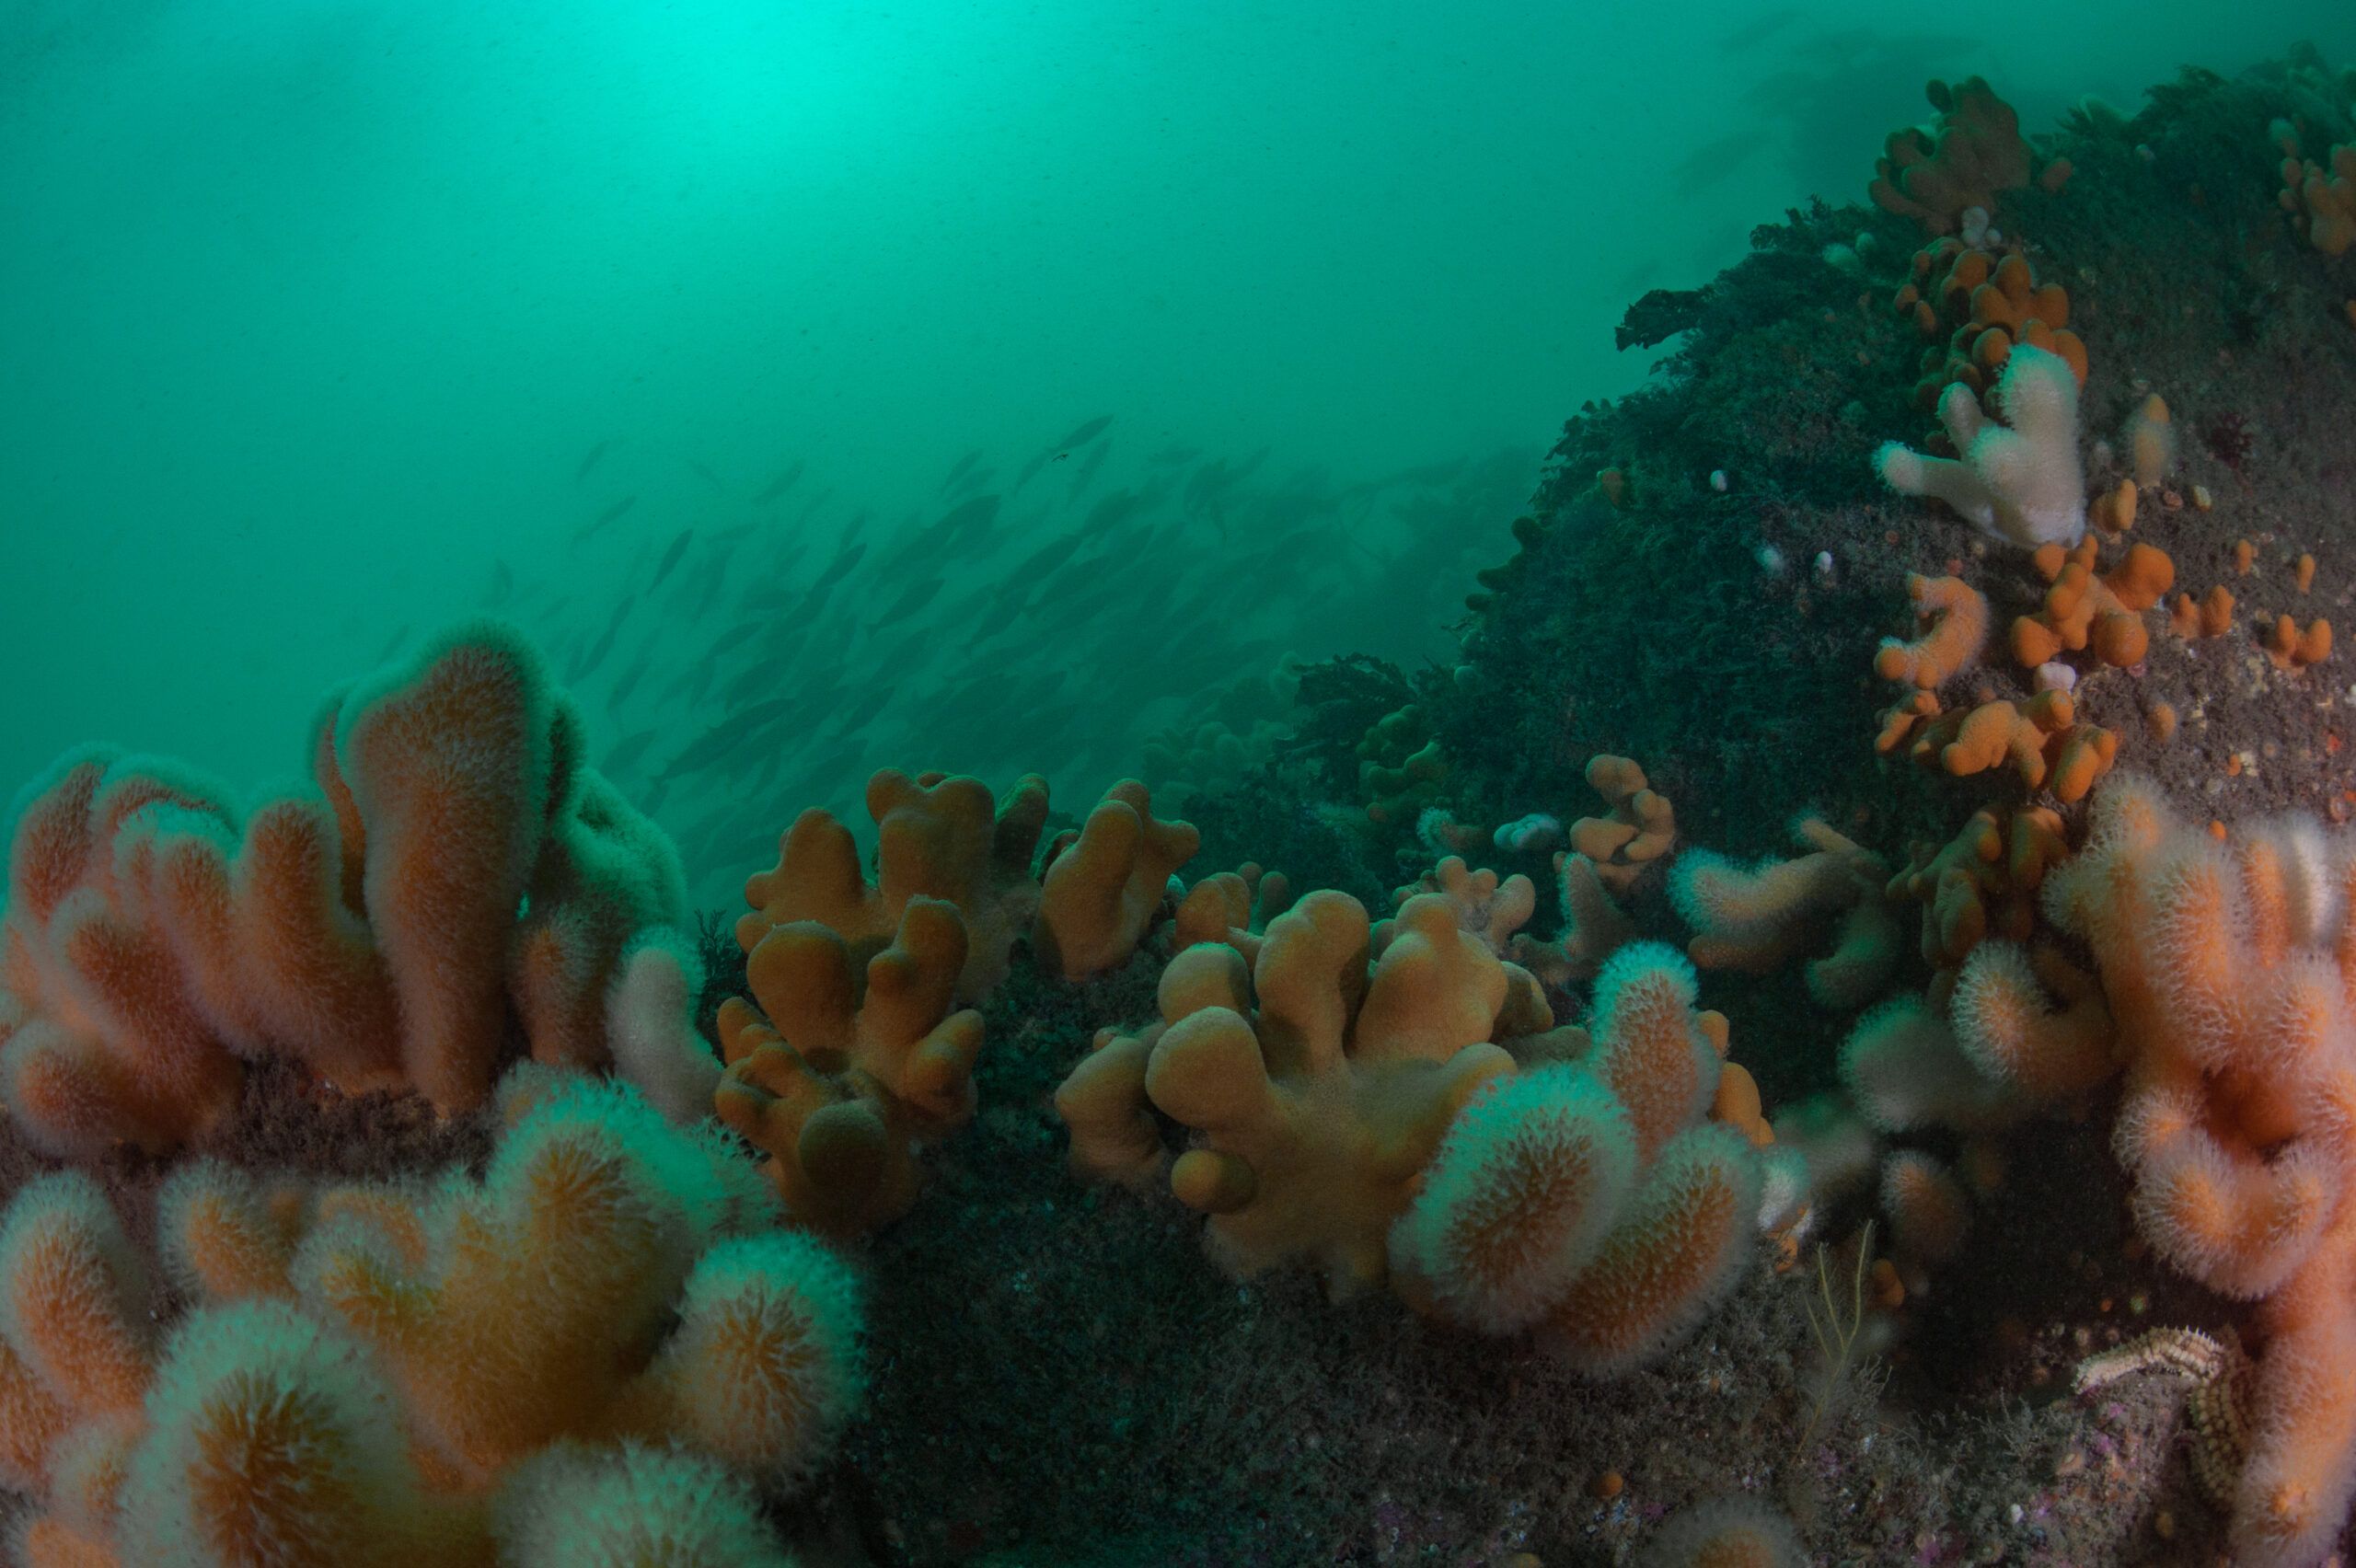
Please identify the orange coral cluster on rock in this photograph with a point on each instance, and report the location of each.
(1640, 827)
(2083, 611)
(1233, 908)
(1104, 883)
(2321, 197)
(941, 836)
(1364, 1113)
(2113, 512)
(1489, 907)
(1982, 882)
(2292, 649)
(1969, 154)
(1975, 306)
(370, 930)
(2041, 737)
(2226, 972)
(2212, 615)
(840, 1071)
(1955, 625)
(1754, 918)
(850, 1055)
(1318, 1083)
(937, 836)
(1594, 926)
(383, 1376)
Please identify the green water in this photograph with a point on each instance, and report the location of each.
(323, 324)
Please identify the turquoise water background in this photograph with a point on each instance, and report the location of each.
(310, 313)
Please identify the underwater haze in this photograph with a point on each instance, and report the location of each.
(322, 324)
(1099, 785)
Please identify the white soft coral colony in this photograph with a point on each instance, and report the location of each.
(2019, 481)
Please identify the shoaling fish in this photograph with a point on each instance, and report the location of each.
(592, 457)
(670, 559)
(588, 663)
(745, 730)
(629, 680)
(1087, 432)
(704, 750)
(627, 750)
(838, 568)
(953, 532)
(958, 469)
(867, 709)
(916, 597)
(779, 485)
(1085, 474)
(597, 525)
(758, 674)
(1046, 558)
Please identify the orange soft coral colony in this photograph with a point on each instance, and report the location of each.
(465, 748)
(371, 1372)
(2041, 738)
(1233, 908)
(606, 877)
(1976, 307)
(519, 1322)
(1590, 1200)
(2321, 198)
(1970, 153)
(1594, 926)
(1981, 882)
(2212, 615)
(1754, 918)
(1955, 620)
(370, 932)
(1400, 769)
(1317, 1086)
(2291, 649)
(2082, 610)
(1488, 907)
(2226, 967)
(937, 836)
(1104, 885)
(103, 1038)
(1640, 829)
(839, 1075)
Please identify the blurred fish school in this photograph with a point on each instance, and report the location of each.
(1082, 612)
